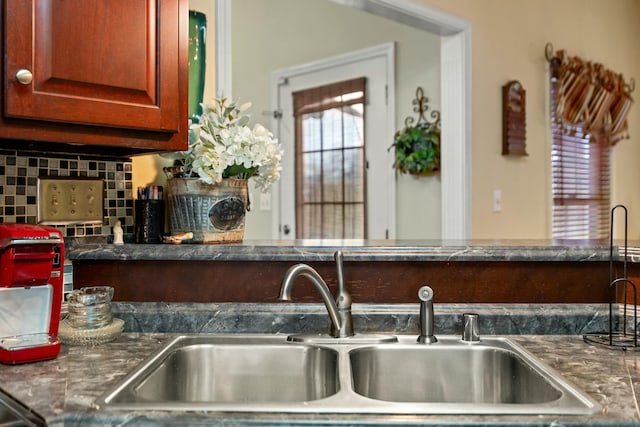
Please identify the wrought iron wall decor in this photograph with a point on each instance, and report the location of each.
(590, 98)
(514, 119)
(417, 146)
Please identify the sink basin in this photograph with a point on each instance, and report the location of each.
(266, 373)
(233, 369)
(471, 374)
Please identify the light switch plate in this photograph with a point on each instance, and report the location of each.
(265, 201)
(64, 200)
(497, 201)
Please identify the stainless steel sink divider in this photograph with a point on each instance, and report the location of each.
(618, 336)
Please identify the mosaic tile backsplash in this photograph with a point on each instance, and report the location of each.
(19, 174)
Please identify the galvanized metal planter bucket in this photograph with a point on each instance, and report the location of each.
(214, 213)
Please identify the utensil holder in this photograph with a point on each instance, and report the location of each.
(149, 221)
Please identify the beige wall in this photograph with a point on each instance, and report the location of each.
(508, 40)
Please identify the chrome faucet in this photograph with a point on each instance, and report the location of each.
(339, 310)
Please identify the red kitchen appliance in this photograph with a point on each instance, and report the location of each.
(31, 282)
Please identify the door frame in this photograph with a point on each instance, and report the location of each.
(385, 51)
(455, 94)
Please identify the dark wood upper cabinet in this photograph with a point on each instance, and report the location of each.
(101, 73)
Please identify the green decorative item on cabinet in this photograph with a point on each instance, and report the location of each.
(417, 147)
(197, 61)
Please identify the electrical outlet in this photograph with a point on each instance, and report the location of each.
(64, 201)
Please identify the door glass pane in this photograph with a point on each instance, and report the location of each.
(332, 129)
(312, 175)
(330, 161)
(312, 131)
(354, 175)
(311, 215)
(353, 126)
(353, 216)
(332, 221)
(332, 183)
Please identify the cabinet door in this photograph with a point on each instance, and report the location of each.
(110, 63)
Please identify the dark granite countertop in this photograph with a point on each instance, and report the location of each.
(63, 390)
(357, 250)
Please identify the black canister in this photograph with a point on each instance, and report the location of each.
(149, 221)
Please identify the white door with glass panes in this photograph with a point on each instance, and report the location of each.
(335, 122)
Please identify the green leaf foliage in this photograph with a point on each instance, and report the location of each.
(417, 150)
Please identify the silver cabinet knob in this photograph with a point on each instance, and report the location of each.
(24, 76)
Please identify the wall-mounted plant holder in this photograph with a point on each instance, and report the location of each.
(514, 119)
(417, 146)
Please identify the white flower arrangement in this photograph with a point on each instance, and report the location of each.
(222, 145)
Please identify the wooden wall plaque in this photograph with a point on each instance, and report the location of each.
(514, 119)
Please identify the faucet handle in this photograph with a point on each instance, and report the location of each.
(343, 299)
(339, 257)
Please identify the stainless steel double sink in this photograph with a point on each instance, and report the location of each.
(268, 373)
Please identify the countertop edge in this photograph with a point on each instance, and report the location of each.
(358, 250)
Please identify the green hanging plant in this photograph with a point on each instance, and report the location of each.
(418, 150)
(418, 146)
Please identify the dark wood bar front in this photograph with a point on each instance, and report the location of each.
(368, 281)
